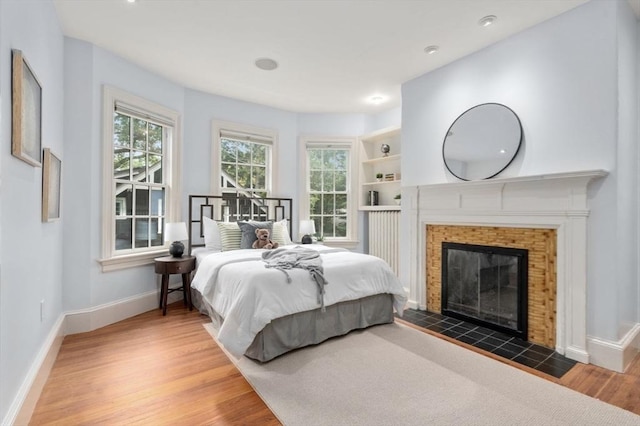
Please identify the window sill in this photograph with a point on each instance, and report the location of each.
(131, 260)
(348, 244)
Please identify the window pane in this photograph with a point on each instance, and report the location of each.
(156, 238)
(341, 181)
(341, 226)
(316, 204)
(155, 138)
(244, 176)
(341, 204)
(259, 177)
(315, 181)
(155, 168)
(328, 204)
(139, 134)
(228, 175)
(341, 160)
(124, 197)
(123, 234)
(317, 220)
(142, 201)
(139, 166)
(327, 226)
(157, 202)
(228, 151)
(142, 233)
(315, 159)
(259, 154)
(121, 164)
(329, 159)
(121, 131)
(327, 181)
(244, 152)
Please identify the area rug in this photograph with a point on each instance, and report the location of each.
(394, 375)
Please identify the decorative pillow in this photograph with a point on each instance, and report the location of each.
(280, 233)
(230, 235)
(249, 232)
(211, 234)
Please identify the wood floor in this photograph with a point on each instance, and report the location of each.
(156, 370)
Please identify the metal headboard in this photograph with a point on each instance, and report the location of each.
(232, 208)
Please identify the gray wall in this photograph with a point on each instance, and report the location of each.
(30, 251)
(567, 79)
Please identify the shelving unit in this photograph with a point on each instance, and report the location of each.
(373, 161)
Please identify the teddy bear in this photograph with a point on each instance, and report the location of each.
(263, 240)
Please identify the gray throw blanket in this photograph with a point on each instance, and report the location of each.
(298, 257)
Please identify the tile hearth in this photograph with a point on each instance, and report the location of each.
(534, 356)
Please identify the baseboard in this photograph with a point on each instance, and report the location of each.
(71, 323)
(615, 356)
(27, 397)
(84, 320)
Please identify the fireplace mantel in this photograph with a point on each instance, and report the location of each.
(557, 201)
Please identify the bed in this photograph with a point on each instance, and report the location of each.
(263, 311)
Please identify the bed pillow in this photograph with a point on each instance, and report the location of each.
(230, 235)
(280, 233)
(249, 231)
(211, 234)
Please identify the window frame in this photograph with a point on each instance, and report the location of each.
(260, 134)
(172, 160)
(349, 143)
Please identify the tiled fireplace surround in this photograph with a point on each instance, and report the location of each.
(555, 204)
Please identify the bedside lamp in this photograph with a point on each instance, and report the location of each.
(176, 232)
(308, 228)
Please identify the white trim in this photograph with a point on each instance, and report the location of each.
(352, 182)
(27, 396)
(558, 201)
(220, 126)
(616, 356)
(110, 96)
(131, 260)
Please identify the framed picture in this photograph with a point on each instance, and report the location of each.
(51, 178)
(26, 114)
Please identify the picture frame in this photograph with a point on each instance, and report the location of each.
(51, 180)
(26, 96)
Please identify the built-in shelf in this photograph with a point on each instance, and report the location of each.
(374, 161)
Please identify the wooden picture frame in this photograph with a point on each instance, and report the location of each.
(26, 95)
(51, 180)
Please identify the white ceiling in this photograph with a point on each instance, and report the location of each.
(333, 55)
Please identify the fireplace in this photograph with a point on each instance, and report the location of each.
(486, 285)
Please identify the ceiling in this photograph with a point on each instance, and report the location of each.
(333, 55)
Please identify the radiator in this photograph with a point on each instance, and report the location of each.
(384, 227)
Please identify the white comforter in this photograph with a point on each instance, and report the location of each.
(249, 296)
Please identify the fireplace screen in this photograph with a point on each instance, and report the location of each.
(486, 285)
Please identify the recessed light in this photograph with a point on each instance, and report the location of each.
(266, 64)
(487, 20)
(131, 1)
(430, 50)
(376, 100)
(503, 151)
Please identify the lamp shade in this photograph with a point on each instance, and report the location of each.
(176, 231)
(307, 227)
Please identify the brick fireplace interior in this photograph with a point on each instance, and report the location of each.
(542, 281)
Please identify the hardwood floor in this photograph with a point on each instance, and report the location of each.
(166, 370)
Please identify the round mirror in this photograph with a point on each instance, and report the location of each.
(482, 142)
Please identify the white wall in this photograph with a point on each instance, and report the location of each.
(30, 251)
(561, 78)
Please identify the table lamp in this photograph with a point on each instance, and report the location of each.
(176, 232)
(308, 228)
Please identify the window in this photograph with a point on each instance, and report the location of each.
(329, 183)
(242, 160)
(140, 165)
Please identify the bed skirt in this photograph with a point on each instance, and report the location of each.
(312, 327)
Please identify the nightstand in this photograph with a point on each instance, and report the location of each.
(175, 265)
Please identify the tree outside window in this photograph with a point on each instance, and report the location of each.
(328, 177)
